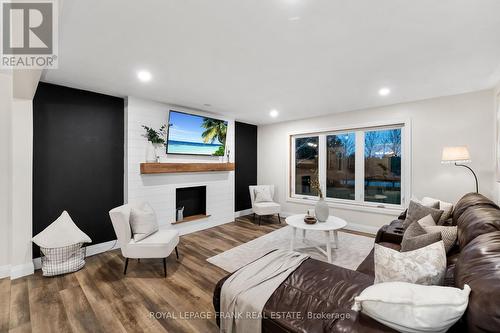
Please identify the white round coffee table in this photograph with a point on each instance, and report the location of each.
(329, 227)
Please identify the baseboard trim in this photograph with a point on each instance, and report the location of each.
(369, 229)
(91, 250)
(18, 271)
(102, 247)
(4, 271)
(243, 212)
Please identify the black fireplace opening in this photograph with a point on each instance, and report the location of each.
(193, 199)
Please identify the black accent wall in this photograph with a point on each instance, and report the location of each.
(246, 163)
(78, 158)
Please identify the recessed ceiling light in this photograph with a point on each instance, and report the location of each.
(384, 91)
(144, 76)
(274, 113)
(294, 18)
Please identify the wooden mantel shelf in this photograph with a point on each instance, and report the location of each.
(151, 168)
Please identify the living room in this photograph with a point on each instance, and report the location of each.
(277, 166)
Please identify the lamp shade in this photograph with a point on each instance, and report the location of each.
(455, 154)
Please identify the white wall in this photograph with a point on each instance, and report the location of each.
(5, 172)
(16, 145)
(22, 184)
(159, 190)
(466, 119)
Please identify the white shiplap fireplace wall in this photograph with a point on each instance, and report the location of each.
(159, 189)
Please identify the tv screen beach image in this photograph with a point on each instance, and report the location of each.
(195, 135)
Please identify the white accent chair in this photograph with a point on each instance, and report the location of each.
(158, 245)
(264, 208)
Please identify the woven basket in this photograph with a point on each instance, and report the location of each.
(62, 260)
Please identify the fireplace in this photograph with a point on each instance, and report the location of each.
(194, 201)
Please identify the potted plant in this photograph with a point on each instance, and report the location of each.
(156, 139)
(321, 210)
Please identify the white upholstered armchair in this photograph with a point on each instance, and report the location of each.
(157, 245)
(268, 207)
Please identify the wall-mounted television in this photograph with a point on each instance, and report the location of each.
(191, 134)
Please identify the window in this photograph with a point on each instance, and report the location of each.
(306, 164)
(360, 166)
(340, 166)
(383, 166)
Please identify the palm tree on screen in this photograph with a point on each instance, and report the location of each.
(214, 129)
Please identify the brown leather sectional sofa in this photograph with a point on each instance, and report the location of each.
(317, 297)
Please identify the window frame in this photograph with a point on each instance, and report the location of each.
(358, 203)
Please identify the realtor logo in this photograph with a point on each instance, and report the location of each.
(29, 34)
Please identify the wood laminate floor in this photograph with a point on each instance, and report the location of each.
(99, 298)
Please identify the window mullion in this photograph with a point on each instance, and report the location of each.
(359, 177)
(322, 160)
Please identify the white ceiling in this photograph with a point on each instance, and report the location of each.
(245, 57)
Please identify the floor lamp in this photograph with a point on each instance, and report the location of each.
(458, 156)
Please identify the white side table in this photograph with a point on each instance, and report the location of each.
(331, 226)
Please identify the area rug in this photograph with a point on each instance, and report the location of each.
(352, 250)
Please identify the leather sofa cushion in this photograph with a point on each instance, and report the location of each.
(475, 222)
(319, 288)
(478, 266)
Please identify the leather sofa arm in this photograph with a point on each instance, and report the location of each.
(391, 233)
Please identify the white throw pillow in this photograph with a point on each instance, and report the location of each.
(429, 202)
(143, 221)
(426, 265)
(408, 307)
(446, 207)
(426, 221)
(262, 194)
(62, 232)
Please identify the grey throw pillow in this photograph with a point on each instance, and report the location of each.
(446, 207)
(415, 237)
(417, 211)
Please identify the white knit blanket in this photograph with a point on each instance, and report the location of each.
(245, 293)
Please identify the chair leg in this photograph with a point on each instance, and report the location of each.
(126, 265)
(279, 218)
(260, 219)
(254, 217)
(176, 253)
(165, 266)
(138, 260)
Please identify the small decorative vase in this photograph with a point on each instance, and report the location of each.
(159, 150)
(321, 210)
(150, 153)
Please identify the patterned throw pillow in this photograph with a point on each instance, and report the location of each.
(417, 211)
(426, 265)
(415, 237)
(262, 194)
(448, 234)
